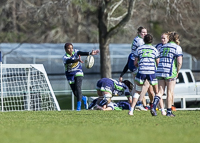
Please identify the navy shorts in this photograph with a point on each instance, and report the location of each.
(140, 78)
(105, 84)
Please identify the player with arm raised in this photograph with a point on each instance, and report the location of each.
(73, 71)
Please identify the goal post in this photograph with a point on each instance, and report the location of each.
(26, 87)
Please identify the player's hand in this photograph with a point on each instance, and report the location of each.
(120, 79)
(95, 52)
(79, 59)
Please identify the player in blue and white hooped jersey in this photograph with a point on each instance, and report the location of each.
(107, 87)
(73, 71)
(138, 40)
(164, 40)
(147, 56)
(168, 68)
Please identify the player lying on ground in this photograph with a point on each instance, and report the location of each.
(121, 105)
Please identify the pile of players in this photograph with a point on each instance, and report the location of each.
(153, 69)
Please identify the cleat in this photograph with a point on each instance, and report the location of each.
(130, 113)
(140, 107)
(173, 108)
(85, 99)
(78, 106)
(170, 115)
(153, 112)
(163, 112)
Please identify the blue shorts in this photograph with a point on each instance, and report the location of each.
(70, 76)
(105, 84)
(140, 78)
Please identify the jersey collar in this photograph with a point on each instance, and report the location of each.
(68, 55)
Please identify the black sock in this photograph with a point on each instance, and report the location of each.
(169, 110)
(92, 104)
(156, 101)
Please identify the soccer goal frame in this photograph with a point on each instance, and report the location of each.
(26, 87)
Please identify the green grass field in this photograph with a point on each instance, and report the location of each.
(98, 126)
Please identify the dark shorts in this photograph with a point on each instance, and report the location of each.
(105, 84)
(140, 78)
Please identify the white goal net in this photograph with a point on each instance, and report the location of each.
(26, 87)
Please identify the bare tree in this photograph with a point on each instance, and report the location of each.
(105, 11)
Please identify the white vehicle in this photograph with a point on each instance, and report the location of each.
(186, 87)
(186, 84)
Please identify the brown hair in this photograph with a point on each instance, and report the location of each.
(128, 84)
(148, 39)
(173, 36)
(139, 30)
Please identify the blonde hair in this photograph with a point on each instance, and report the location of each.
(173, 36)
(166, 33)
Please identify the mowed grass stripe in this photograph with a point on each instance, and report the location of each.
(98, 126)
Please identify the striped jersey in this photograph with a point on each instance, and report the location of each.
(158, 46)
(168, 55)
(147, 54)
(72, 68)
(137, 42)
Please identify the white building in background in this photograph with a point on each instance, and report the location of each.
(50, 55)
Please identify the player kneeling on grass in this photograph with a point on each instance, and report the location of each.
(106, 87)
(73, 71)
(145, 58)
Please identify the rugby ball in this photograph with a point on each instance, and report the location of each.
(89, 61)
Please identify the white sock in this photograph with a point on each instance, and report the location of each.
(162, 109)
(131, 109)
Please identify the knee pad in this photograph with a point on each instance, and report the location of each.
(138, 88)
(136, 95)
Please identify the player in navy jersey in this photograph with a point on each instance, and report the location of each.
(73, 71)
(168, 68)
(107, 87)
(146, 55)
